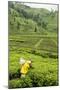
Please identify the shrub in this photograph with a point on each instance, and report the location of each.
(44, 54)
(15, 74)
(43, 79)
(20, 83)
(51, 55)
(37, 78)
(27, 82)
(50, 80)
(15, 83)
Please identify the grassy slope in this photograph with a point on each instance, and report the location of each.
(29, 18)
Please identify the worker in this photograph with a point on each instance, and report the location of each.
(25, 68)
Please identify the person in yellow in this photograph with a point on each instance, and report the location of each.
(25, 68)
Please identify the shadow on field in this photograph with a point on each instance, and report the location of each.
(14, 75)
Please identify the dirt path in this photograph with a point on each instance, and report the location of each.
(38, 43)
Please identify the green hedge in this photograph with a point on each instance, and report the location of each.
(20, 83)
(34, 79)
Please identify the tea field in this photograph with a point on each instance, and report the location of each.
(44, 61)
(33, 34)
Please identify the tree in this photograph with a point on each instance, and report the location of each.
(18, 25)
(44, 24)
(35, 29)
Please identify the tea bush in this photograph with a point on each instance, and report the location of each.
(37, 78)
(20, 83)
(15, 74)
(34, 79)
(50, 80)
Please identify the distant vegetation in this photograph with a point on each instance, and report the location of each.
(33, 34)
(25, 19)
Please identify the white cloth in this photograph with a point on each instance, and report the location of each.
(22, 61)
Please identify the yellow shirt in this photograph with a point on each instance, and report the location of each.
(24, 68)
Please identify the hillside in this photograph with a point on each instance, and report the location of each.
(24, 19)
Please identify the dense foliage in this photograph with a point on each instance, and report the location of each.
(22, 18)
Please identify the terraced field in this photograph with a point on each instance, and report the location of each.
(43, 52)
(44, 43)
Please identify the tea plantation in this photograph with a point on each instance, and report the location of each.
(33, 35)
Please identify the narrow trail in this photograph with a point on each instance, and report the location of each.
(38, 43)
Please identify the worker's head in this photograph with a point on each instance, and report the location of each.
(22, 61)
